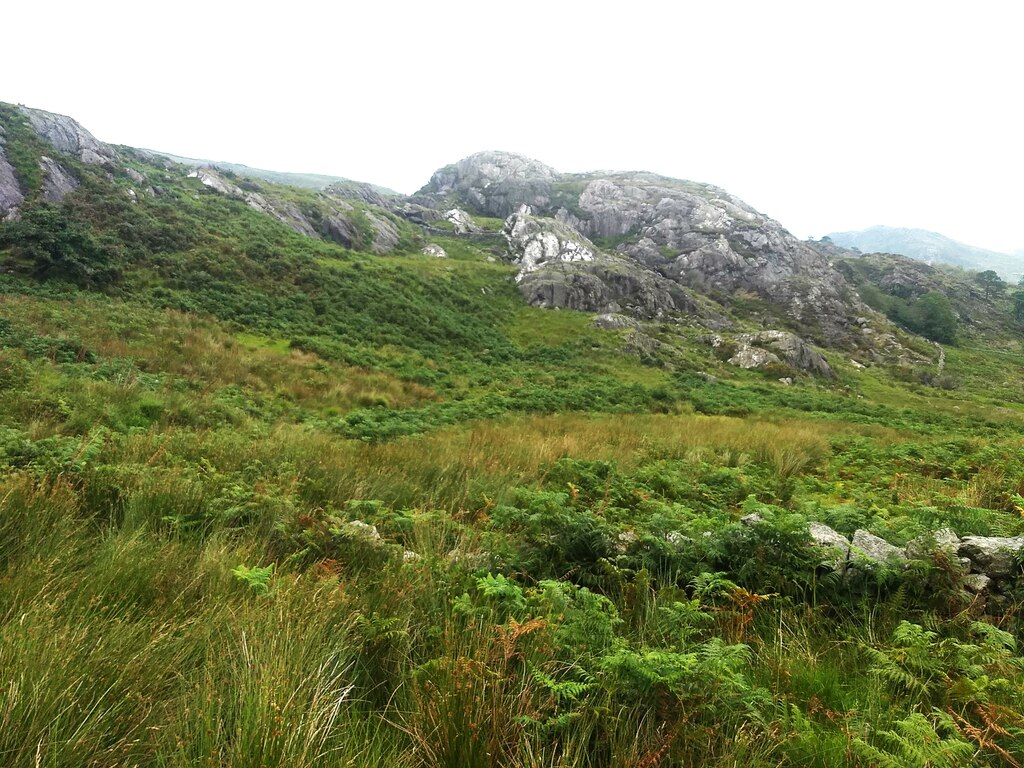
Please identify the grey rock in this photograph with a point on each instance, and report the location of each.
(624, 541)
(285, 212)
(793, 350)
(66, 135)
(435, 250)
(11, 197)
(639, 343)
(944, 540)
(786, 380)
(135, 176)
(216, 182)
(604, 285)
(695, 235)
(495, 183)
(874, 548)
(824, 537)
(461, 221)
(558, 267)
(385, 235)
(613, 321)
(360, 191)
(753, 357)
(341, 230)
(362, 530)
(993, 556)
(58, 182)
(976, 583)
(535, 242)
(752, 519)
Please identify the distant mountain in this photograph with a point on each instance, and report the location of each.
(306, 180)
(931, 247)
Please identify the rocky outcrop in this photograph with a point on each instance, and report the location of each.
(461, 221)
(989, 566)
(753, 357)
(694, 235)
(612, 321)
(791, 349)
(286, 213)
(66, 135)
(758, 350)
(435, 250)
(385, 235)
(358, 190)
(11, 196)
(341, 229)
(558, 267)
(534, 242)
(58, 182)
(832, 546)
(338, 219)
(495, 183)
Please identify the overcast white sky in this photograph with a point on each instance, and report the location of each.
(824, 115)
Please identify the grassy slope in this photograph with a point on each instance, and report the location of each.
(179, 585)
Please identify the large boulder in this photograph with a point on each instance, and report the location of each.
(752, 357)
(997, 558)
(867, 546)
(831, 542)
(943, 540)
(793, 350)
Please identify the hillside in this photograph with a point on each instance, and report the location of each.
(932, 248)
(305, 180)
(627, 476)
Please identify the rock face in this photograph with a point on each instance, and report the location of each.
(558, 267)
(692, 235)
(535, 242)
(11, 197)
(66, 135)
(57, 181)
(337, 220)
(495, 183)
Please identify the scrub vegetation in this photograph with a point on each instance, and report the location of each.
(265, 501)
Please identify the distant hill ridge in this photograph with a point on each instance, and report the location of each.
(305, 180)
(931, 247)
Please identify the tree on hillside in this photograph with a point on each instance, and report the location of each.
(990, 282)
(1018, 306)
(935, 318)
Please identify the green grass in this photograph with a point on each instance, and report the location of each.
(191, 458)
